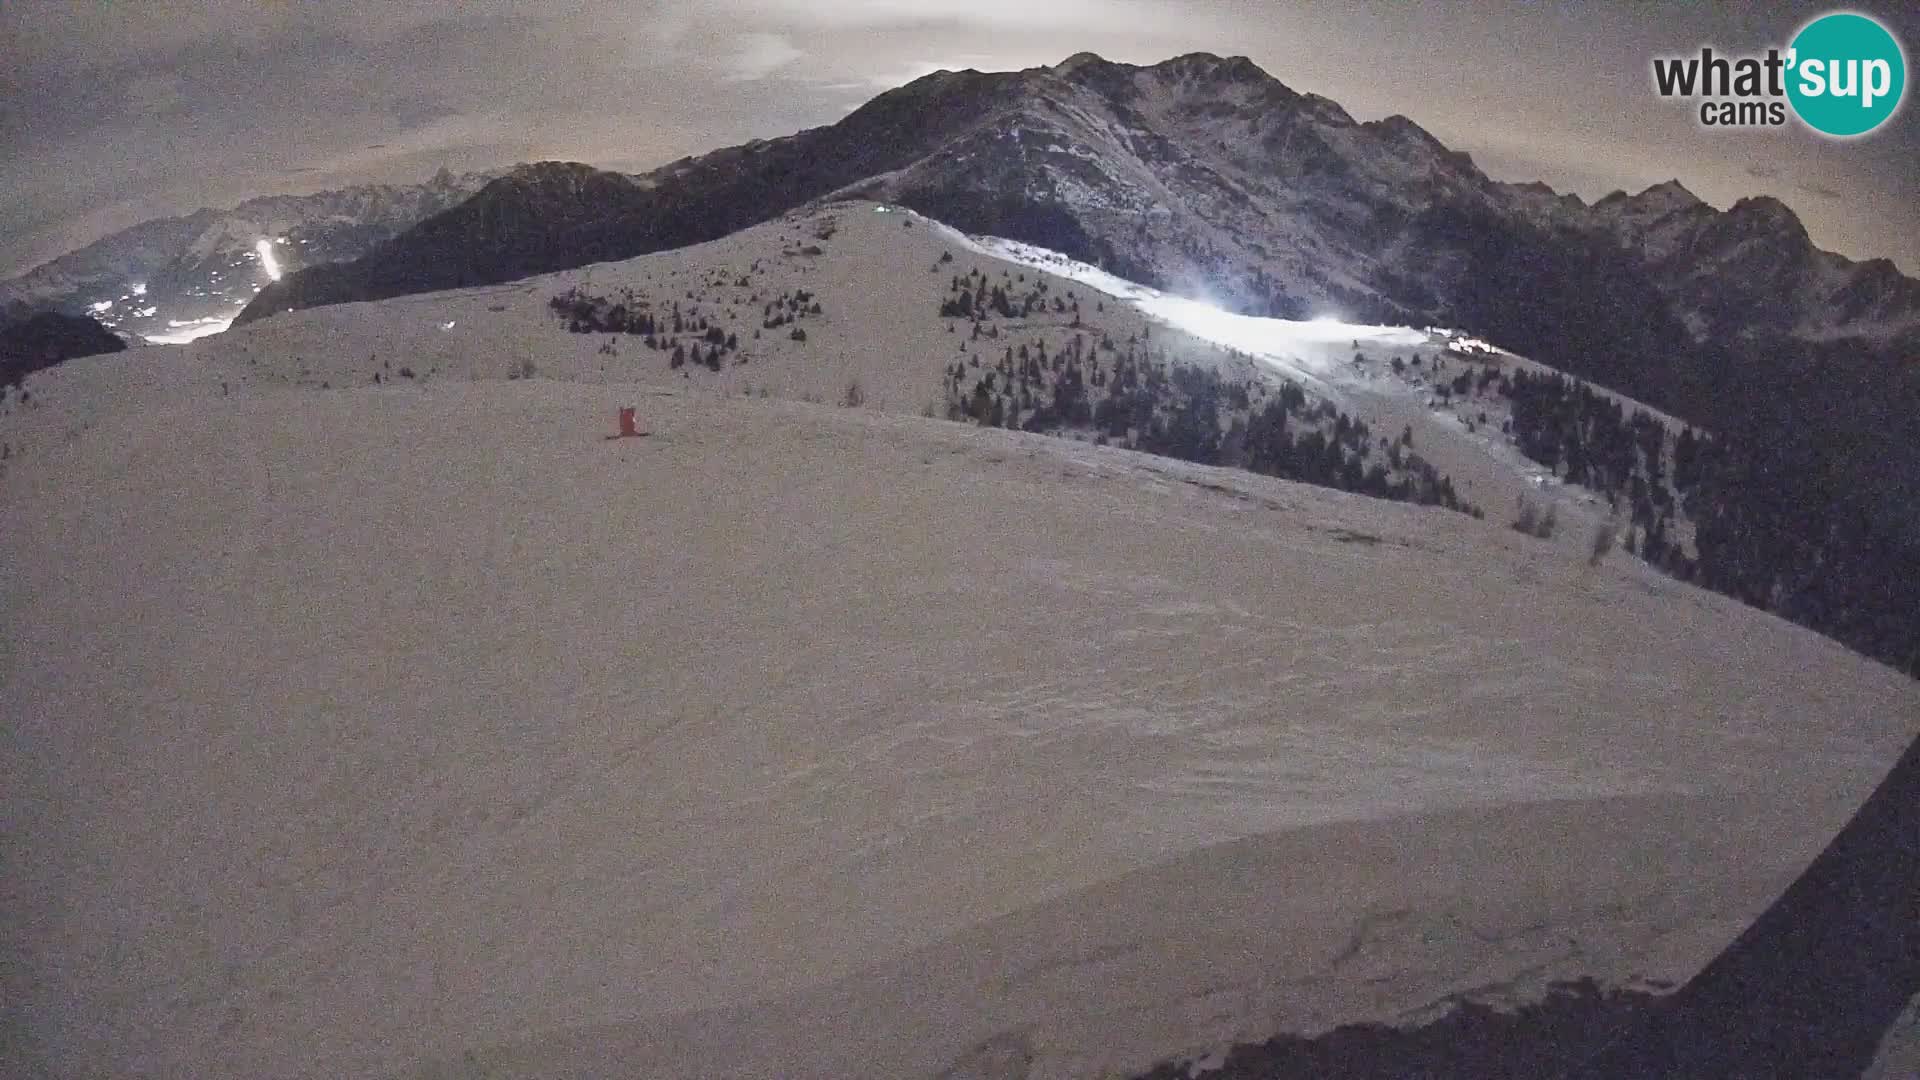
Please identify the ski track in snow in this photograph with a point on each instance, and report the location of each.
(1315, 351)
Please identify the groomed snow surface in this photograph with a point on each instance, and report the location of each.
(182, 331)
(419, 729)
(1317, 351)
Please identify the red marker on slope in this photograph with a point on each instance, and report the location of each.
(627, 429)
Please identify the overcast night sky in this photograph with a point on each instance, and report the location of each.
(111, 114)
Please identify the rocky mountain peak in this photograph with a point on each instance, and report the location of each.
(1201, 172)
(1079, 61)
(1765, 211)
(1403, 129)
(551, 172)
(1206, 65)
(1671, 194)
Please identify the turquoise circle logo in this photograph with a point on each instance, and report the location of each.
(1848, 74)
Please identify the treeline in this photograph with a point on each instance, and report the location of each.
(1781, 526)
(1821, 435)
(1131, 395)
(687, 337)
(1780, 522)
(1589, 439)
(971, 296)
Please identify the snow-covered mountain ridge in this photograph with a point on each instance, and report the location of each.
(691, 746)
(1208, 177)
(176, 278)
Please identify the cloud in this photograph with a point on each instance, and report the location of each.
(156, 95)
(113, 110)
(1819, 191)
(759, 56)
(1132, 17)
(920, 69)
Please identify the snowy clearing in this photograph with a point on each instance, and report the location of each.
(370, 724)
(421, 722)
(1315, 351)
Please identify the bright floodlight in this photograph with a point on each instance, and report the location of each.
(265, 250)
(1315, 348)
(1318, 349)
(184, 330)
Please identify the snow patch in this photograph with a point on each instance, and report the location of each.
(1316, 350)
(182, 331)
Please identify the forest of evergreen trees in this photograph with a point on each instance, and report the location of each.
(1808, 501)
(1779, 522)
(688, 337)
(1781, 526)
(1131, 394)
(1589, 439)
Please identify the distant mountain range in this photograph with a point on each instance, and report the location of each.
(1200, 174)
(1206, 176)
(174, 277)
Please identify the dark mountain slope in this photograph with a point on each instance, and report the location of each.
(46, 338)
(552, 215)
